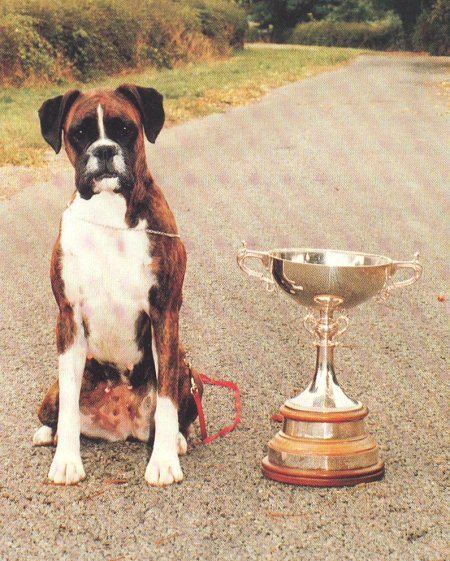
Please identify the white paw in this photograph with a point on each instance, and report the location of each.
(163, 469)
(66, 468)
(43, 436)
(181, 445)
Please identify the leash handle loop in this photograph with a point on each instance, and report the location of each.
(201, 415)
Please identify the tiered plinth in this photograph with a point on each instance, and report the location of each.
(323, 448)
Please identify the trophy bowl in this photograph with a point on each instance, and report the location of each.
(324, 441)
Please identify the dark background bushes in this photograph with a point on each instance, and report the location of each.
(49, 40)
(432, 30)
(422, 25)
(385, 34)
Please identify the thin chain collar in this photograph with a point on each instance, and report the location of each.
(148, 230)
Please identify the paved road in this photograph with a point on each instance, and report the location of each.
(352, 159)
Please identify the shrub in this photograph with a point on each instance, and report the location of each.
(92, 37)
(23, 52)
(171, 33)
(432, 30)
(223, 21)
(385, 34)
(255, 34)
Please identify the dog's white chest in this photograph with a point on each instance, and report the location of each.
(106, 270)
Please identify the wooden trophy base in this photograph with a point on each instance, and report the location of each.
(325, 449)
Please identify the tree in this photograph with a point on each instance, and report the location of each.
(425, 22)
(352, 10)
(281, 15)
(408, 10)
(432, 30)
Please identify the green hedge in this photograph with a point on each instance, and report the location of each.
(385, 34)
(222, 21)
(52, 39)
(23, 51)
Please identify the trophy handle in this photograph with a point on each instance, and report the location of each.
(414, 265)
(244, 254)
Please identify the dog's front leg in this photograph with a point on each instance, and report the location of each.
(164, 466)
(67, 467)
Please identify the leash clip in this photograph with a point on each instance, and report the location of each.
(194, 387)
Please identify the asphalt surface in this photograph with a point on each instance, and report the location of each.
(352, 159)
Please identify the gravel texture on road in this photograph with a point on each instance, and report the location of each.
(352, 159)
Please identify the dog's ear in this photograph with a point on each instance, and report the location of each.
(150, 105)
(52, 114)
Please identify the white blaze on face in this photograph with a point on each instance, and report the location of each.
(101, 124)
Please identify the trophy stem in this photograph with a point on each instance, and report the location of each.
(324, 392)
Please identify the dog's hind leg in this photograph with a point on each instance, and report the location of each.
(44, 436)
(48, 415)
(187, 412)
(48, 411)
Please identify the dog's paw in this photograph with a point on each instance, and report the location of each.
(181, 445)
(66, 469)
(163, 469)
(44, 436)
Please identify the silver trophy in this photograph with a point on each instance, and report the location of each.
(324, 441)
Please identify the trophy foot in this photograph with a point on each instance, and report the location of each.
(326, 449)
(315, 478)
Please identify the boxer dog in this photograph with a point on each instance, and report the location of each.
(117, 272)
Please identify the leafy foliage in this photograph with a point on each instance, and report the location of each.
(424, 24)
(432, 30)
(85, 38)
(386, 34)
(283, 15)
(23, 52)
(352, 10)
(408, 10)
(280, 15)
(221, 20)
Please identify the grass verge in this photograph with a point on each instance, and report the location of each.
(189, 91)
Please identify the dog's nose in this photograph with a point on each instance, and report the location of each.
(105, 153)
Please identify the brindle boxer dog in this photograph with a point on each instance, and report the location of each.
(117, 272)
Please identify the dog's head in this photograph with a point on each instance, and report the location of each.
(103, 134)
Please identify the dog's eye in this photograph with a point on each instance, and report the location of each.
(120, 129)
(80, 132)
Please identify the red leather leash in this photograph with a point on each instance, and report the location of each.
(201, 414)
